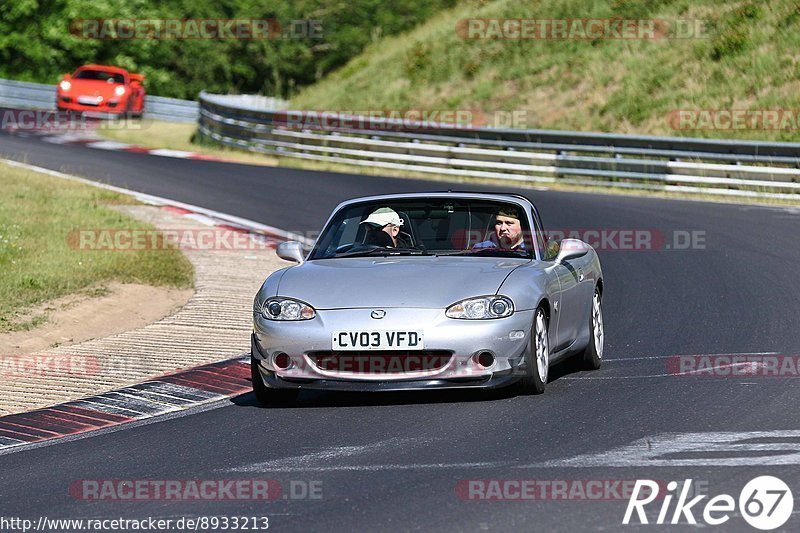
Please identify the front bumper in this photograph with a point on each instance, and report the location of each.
(70, 103)
(462, 340)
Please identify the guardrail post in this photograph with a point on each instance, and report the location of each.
(705, 166)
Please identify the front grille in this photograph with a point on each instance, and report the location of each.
(381, 362)
(90, 101)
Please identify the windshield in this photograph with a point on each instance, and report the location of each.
(101, 75)
(427, 227)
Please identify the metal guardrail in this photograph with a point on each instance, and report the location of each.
(27, 95)
(171, 109)
(687, 165)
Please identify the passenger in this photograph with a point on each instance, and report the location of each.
(383, 229)
(507, 231)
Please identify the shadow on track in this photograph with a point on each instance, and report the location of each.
(317, 399)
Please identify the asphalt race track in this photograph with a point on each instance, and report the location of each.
(401, 461)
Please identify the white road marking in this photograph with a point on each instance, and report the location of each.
(651, 451)
(171, 153)
(202, 219)
(180, 392)
(321, 459)
(8, 441)
(587, 378)
(135, 400)
(191, 411)
(94, 405)
(374, 468)
(109, 145)
(622, 359)
(67, 138)
(700, 372)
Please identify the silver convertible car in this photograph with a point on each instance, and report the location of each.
(427, 290)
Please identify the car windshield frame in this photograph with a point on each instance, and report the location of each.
(117, 77)
(332, 243)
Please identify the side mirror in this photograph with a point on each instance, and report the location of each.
(291, 251)
(67, 77)
(551, 251)
(572, 249)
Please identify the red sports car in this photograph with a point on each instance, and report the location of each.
(101, 89)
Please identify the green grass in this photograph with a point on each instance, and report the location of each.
(37, 263)
(747, 59)
(175, 136)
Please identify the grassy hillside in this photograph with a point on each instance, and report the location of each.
(37, 44)
(747, 59)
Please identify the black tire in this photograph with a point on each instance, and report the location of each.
(592, 357)
(535, 379)
(266, 395)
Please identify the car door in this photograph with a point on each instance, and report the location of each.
(566, 321)
(570, 309)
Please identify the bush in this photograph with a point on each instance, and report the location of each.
(44, 50)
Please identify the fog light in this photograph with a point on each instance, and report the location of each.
(484, 359)
(281, 361)
(516, 335)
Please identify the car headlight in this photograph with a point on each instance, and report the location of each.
(287, 309)
(481, 308)
(120, 90)
(65, 85)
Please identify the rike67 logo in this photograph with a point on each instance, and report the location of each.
(765, 503)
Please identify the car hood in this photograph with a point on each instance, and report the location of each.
(432, 282)
(93, 88)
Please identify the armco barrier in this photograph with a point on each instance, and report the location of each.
(687, 165)
(27, 95)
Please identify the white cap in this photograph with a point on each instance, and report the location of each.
(381, 217)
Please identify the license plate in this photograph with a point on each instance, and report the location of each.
(378, 340)
(89, 100)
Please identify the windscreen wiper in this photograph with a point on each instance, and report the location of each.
(382, 251)
(522, 254)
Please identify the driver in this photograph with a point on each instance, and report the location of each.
(383, 229)
(507, 231)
